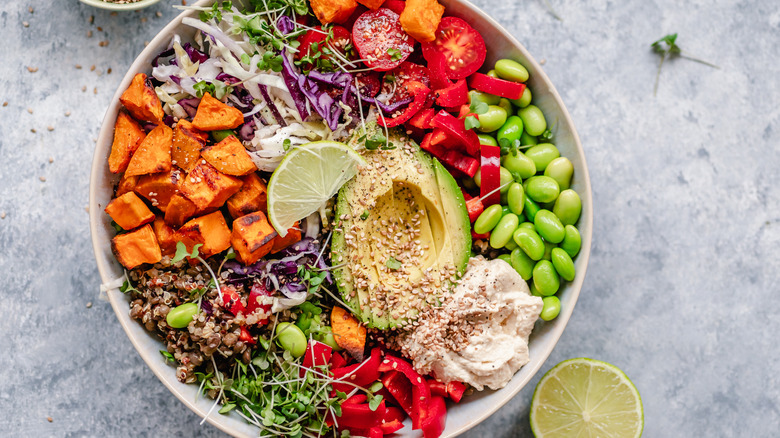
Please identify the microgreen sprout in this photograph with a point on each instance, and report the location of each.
(181, 253)
(471, 122)
(667, 47)
(550, 9)
(393, 263)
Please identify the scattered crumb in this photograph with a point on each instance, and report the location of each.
(32, 69)
(89, 34)
(100, 29)
(158, 13)
(49, 419)
(92, 67)
(25, 24)
(543, 62)
(95, 90)
(91, 19)
(5, 103)
(146, 43)
(51, 160)
(42, 178)
(67, 113)
(114, 14)
(2, 215)
(86, 208)
(78, 66)
(89, 304)
(84, 88)
(31, 9)
(103, 43)
(50, 128)
(108, 71)
(30, 110)
(143, 19)
(184, 2)
(33, 130)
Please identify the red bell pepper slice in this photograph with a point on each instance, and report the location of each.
(422, 120)
(373, 432)
(490, 175)
(355, 399)
(400, 388)
(317, 354)
(421, 394)
(435, 417)
(253, 304)
(483, 236)
(454, 95)
(360, 415)
(440, 137)
(463, 163)
(231, 300)
(438, 67)
(393, 421)
(420, 93)
(475, 207)
(496, 86)
(455, 390)
(337, 360)
(436, 150)
(360, 374)
(246, 337)
(389, 427)
(456, 129)
(437, 388)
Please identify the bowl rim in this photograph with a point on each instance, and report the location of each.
(152, 358)
(102, 4)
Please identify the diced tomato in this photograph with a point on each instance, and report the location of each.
(455, 390)
(231, 300)
(380, 39)
(463, 47)
(496, 86)
(475, 208)
(340, 39)
(490, 175)
(394, 80)
(454, 95)
(253, 303)
(246, 337)
(396, 6)
(368, 83)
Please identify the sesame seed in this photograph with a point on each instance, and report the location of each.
(25, 24)
(42, 178)
(30, 110)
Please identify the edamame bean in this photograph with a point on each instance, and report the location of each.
(533, 119)
(291, 338)
(505, 177)
(549, 226)
(487, 140)
(561, 170)
(515, 197)
(222, 134)
(478, 177)
(563, 264)
(492, 73)
(528, 226)
(511, 70)
(542, 188)
(510, 245)
(524, 100)
(551, 307)
(528, 139)
(505, 210)
(503, 198)
(511, 130)
(503, 231)
(479, 96)
(535, 292)
(530, 242)
(520, 164)
(568, 207)
(488, 219)
(492, 119)
(330, 341)
(180, 316)
(505, 257)
(546, 279)
(522, 263)
(542, 154)
(548, 247)
(531, 208)
(506, 105)
(469, 183)
(572, 241)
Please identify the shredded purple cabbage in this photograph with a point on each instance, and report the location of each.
(190, 105)
(247, 131)
(226, 78)
(195, 54)
(272, 106)
(169, 53)
(206, 306)
(291, 80)
(285, 24)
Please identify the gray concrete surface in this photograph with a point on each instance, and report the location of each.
(681, 291)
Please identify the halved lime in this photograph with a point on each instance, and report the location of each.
(586, 398)
(306, 178)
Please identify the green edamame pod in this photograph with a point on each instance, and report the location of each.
(487, 140)
(291, 338)
(542, 188)
(515, 197)
(524, 100)
(561, 170)
(505, 210)
(548, 247)
(563, 264)
(528, 226)
(535, 292)
(492, 73)
(530, 242)
(551, 307)
(511, 70)
(530, 208)
(520, 164)
(533, 119)
(479, 96)
(330, 341)
(542, 154)
(568, 207)
(469, 183)
(511, 130)
(488, 219)
(506, 105)
(492, 119)
(221, 134)
(522, 263)
(510, 245)
(505, 177)
(546, 279)
(549, 226)
(505, 257)
(572, 241)
(504, 231)
(528, 139)
(181, 316)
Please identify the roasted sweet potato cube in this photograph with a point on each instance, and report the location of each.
(129, 211)
(348, 332)
(251, 198)
(127, 137)
(137, 247)
(293, 235)
(153, 154)
(126, 184)
(187, 143)
(229, 157)
(371, 4)
(421, 18)
(179, 210)
(210, 230)
(333, 11)
(158, 188)
(142, 101)
(252, 238)
(166, 236)
(214, 115)
(207, 187)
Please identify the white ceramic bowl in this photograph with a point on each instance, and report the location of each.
(473, 409)
(119, 6)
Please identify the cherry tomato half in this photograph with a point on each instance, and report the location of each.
(340, 40)
(463, 47)
(380, 40)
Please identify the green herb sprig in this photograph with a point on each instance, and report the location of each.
(667, 47)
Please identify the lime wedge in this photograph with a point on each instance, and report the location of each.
(306, 178)
(586, 398)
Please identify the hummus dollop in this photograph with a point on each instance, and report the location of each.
(480, 333)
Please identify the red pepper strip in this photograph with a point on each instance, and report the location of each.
(398, 385)
(337, 361)
(421, 394)
(360, 415)
(355, 399)
(440, 137)
(231, 300)
(393, 421)
(317, 354)
(456, 129)
(437, 388)
(490, 175)
(483, 236)
(420, 93)
(438, 67)
(389, 427)
(475, 208)
(463, 163)
(496, 86)
(435, 418)
(373, 432)
(360, 374)
(246, 337)
(436, 150)
(253, 304)
(455, 390)
(464, 111)
(422, 120)
(454, 95)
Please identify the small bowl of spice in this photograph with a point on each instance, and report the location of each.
(120, 5)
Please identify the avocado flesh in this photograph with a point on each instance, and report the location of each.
(401, 189)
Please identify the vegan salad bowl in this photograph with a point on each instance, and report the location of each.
(314, 217)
